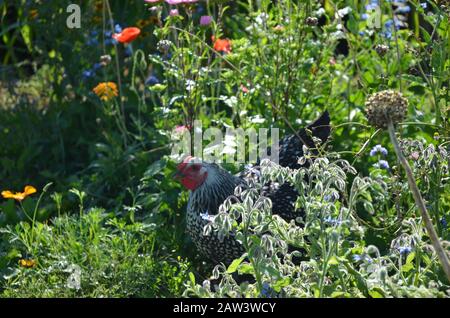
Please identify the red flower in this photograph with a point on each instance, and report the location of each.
(127, 35)
(222, 45)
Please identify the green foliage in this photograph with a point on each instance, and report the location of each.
(326, 253)
(95, 255)
(289, 61)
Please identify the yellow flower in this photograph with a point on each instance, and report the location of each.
(27, 263)
(106, 91)
(143, 23)
(34, 13)
(436, 136)
(19, 196)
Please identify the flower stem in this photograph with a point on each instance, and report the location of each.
(420, 203)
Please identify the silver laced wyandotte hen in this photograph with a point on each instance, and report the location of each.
(210, 185)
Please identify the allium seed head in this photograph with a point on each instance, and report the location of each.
(385, 105)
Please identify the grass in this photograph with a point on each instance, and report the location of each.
(93, 255)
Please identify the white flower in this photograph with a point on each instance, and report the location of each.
(229, 101)
(320, 12)
(338, 35)
(190, 85)
(205, 71)
(261, 18)
(257, 119)
(343, 12)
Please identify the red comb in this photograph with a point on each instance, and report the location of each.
(181, 166)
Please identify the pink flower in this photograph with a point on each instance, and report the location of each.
(175, 2)
(174, 13)
(205, 20)
(153, 1)
(244, 89)
(182, 129)
(415, 156)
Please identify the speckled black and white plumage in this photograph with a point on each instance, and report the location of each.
(220, 184)
(291, 146)
(206, 199)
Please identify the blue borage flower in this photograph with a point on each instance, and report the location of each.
(333, 221)
(332, 197)
(382, 164)
(88, 74)
(91, 72)
(444, 222)
(378, 149)
(403, 9)
(361, 258)
(108, 35)
(267, 291)
(152, 80)
(372, 5)
(389, 24)
(92, 38)
(404, 250)
(393, 22)
(97, 66)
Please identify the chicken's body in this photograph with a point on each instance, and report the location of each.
(205, 201)
(217, 185)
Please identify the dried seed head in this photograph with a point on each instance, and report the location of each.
(105, 59)
(381, 49)
(311, 21)
(386, 105)
(163, 46)
(445, 6)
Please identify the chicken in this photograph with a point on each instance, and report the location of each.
(210, 186)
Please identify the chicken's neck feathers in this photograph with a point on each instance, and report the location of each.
(218, 186)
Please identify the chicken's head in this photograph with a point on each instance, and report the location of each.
(191, 173)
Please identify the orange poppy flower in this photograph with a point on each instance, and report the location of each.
(127, 35)
(19, 196)
(222, 45)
